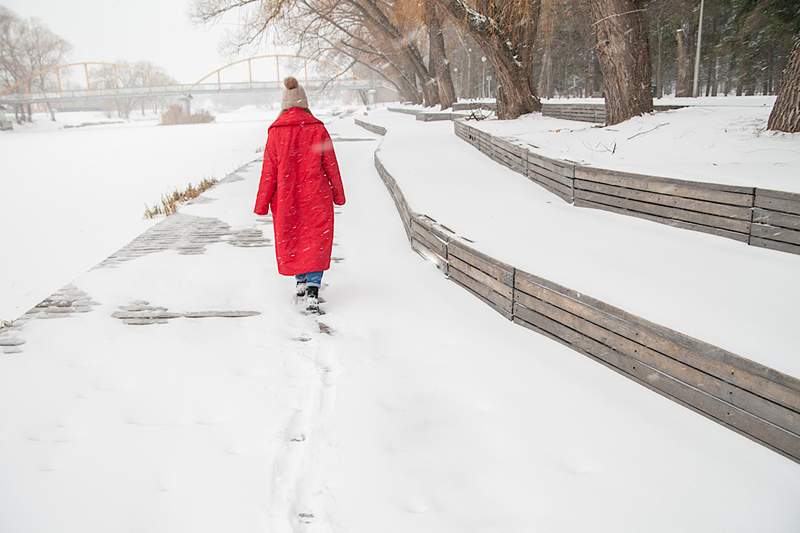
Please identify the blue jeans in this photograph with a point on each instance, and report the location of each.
(311, 279)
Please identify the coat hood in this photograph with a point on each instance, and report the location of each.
(295, 116)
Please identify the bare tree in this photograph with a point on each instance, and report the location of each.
(28, 51)
(785, 115)
(624, 54)
(438, 62)
(366, 31)
(506, 31)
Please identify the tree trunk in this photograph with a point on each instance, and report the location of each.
(714, 75)
(545, 34)
(624, 54)
(659, 70)
(512, 61)
(438, 64)
(683, 83)
(785, 115)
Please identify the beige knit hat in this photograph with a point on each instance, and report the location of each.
(294, 95)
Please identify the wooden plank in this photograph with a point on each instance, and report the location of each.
(558, 177)
(702, 206)
(773, 218)
(430, 255)
(785, 203)
(374, 128)
(508, 159)
(432, 240)
(736, 236)
(756, 405)
(751, 426)
(404, 110)
(744, 373)
(775, 245)
(510, 147)
(498, 301)
(481, 277)
(783, 195)
(776, 234)
(561, 168)
(562, 191)
(497, 269)
(722, 194)
(672, 213)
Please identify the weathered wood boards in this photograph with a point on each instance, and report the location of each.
(405, 110)
(554, 175)
(722, 210)
(760, 217)
(776, 221)
(489, 279)
(430, 240)
(397, 196)
(595, 113)
(471, 106)
(374, 128)
(752, 399)
(431, 116)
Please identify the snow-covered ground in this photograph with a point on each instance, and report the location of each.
(70, 197)
(735, 296)
(717, 140)
(424, 412)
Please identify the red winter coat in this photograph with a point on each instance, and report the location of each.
(300, 182)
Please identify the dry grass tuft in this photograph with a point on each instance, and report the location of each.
(175, 115)
(170, 202)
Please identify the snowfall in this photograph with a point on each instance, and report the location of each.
(409, 407)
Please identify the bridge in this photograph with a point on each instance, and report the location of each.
(112, 87)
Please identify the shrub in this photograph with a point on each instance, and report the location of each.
(175, 115)
(170, 202)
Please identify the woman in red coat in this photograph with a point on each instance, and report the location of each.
(300, 182)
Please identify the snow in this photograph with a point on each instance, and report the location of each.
(70, 197)
(734, 296)
(717, 140)
(425, 411)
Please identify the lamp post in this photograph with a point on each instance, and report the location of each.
(697, 53)
(469, 73)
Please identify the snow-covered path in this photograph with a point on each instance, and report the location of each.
(412, 407)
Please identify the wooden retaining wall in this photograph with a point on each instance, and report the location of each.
(760, 217)
(595, 113)
(756, 401)
(374, 128)
(471, 106)
(776, 221)
(428, 116)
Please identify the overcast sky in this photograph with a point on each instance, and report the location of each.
(109, 30)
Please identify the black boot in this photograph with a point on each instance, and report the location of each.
(301, 289)
(312, 299)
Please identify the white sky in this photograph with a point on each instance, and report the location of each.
(155, 30)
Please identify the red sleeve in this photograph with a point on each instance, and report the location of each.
(331, 168)
(269, 170)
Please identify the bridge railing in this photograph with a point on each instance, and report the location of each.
(171, 90)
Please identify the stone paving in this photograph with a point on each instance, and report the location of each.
(186, 234)
(64, 303)
(141, 313)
